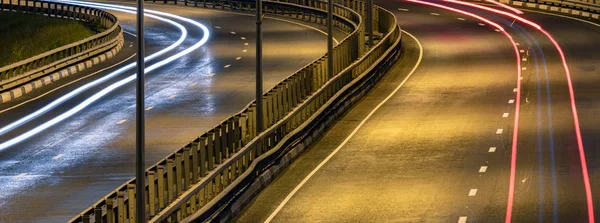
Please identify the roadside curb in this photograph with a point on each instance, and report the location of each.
(40, 82)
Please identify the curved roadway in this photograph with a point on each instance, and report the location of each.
(58, 172)
(439, 150)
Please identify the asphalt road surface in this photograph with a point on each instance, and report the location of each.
(55, 174)
(439, 150)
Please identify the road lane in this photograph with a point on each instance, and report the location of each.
(187, 98)
(431, 153)
(550, 180)
(416, 178)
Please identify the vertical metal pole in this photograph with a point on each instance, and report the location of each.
(139, 119)
(259, 87)
(330, 39)
(370, 22)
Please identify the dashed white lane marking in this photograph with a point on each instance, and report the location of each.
(58, 156)
(121, 122)
(217, 27)
(522, 51)
(472, 192)
(504, 115)
(492, 149)
(524, 59)
(482, 169)
(227, 66)
(462, 219)
(149, 108)
(436, 14)
(521, 77)
(245, 50)
(524, 68)
(20, 175)
(511, 101)
(233, 33)
(481, 24)
(245, 44)
(499, 131)
(243, 37)
(213, 74)
(193, 84)
(172, 96)
(238, 58)
(517, 44)
(514, 89)
(497, 30)
(401, 9)
(461, 19)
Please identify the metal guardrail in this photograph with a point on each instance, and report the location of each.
(584, 5)
(591, 5)
(264, 150)
(44, 64)
(194, 176)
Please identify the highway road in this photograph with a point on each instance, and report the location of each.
(56, 173)
(440, 148)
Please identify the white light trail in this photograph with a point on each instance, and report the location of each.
(77, 91)
(110, 88)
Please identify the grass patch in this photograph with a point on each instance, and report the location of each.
(25, 35)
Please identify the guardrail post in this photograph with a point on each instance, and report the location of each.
(230, 138)
(110, 211)
(85, 218)
(218, 150)
(244, 130)
(170, 189)
(98, 213)
(237, 136)
(223, 137)
(151, 192)
(195, 165)
(251, 122)
(265, 114)
(203, 158)
(160, 170)
(186, 168)
(121, 207)
(131, 202)
(211, 150)
(178, 174)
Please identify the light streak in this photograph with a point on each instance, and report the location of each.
(79, 90)
(513, 157)
(120, 83)
(582, 159)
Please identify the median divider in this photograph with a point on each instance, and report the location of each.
(202, 178)
(27, 75)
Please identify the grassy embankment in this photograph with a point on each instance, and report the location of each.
(26, 35)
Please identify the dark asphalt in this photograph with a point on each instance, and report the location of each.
(421, 154)
(188, 97)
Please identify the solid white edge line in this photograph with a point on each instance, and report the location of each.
(270, 218)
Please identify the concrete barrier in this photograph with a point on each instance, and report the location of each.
(27, 75)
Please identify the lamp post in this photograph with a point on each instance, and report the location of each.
(140, 178)
(259, 101)
(330, 39)
(370, 22)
